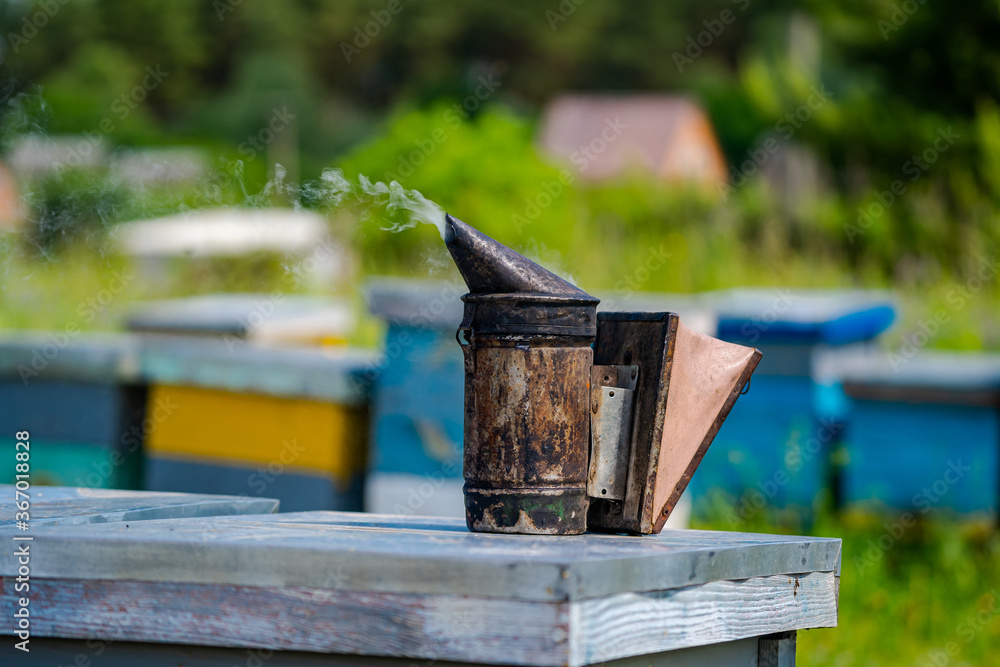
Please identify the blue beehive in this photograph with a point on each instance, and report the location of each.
(774, 449)
(923, 432)
(415, 466)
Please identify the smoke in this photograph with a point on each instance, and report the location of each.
(409, 205)
(392, 206)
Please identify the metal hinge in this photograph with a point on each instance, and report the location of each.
(612, 395)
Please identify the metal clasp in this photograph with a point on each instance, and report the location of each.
(468, 345)
(612, 396)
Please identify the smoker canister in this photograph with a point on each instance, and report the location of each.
(526, 336)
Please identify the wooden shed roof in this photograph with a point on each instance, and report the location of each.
(604, 136)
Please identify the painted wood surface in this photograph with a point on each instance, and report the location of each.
(631, 624)
(295, 434)
(286, 319)
(811, 316)
(64, 411)
(906, 456)
(336, 375)
(69, 506)
(83, 464)
(82, 433)
(420, 587)
(442, 627)
(36, 356)
(333, 374)
(904, 415)
(411, 434)
(417, 555)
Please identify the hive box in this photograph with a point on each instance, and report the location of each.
(361, 589)
(417, 418)
(273, 318)
(924, 432)
(776, 447)
(244, 419)
(81, 400)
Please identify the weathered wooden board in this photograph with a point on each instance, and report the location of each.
(440, 627)
(419, 555)
(630, 624)
(420, 588)
(68, 506)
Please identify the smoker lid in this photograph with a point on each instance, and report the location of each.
(489, 267)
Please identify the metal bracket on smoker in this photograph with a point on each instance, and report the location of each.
(612, 393)
(644, 340)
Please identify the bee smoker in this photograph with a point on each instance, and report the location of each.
(527, 343)
(567, 420)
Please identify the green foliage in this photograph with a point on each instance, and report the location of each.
(72, 207)
(484, 170)
(896, 76)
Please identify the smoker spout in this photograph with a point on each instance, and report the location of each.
(489, 267)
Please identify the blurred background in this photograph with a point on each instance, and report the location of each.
(191, 300)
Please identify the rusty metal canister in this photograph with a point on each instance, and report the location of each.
(526, 336)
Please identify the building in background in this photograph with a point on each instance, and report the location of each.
(608, 136)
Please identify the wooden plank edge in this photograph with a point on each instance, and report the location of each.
(632, 624)
(436, 627)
